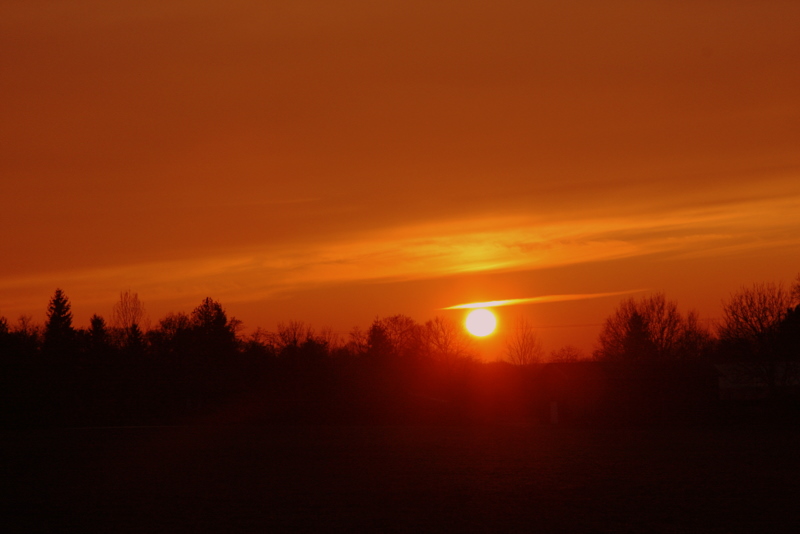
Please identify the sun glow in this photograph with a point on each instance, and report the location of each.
(481, 322)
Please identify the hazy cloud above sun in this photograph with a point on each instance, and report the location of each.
(254, 149)
(450, 248)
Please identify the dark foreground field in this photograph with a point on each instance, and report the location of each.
(403, 479)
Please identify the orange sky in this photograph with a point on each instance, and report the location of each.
(336, 161)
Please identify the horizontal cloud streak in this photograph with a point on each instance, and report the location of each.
(539, 300)
(426, 251)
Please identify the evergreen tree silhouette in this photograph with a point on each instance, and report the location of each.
(98, 332)
(214, 333)
(58, 333)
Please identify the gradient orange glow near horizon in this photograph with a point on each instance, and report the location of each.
(337, 162)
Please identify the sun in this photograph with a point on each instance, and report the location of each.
(481, 322)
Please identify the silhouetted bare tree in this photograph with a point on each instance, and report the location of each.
(357, 342)
(291, 337)
(750, 332)
(129, 311)
(651, 328)
(567, 353)
(259, 344)
(379, 345)
(26, 336)
(752, 316)
(174, 323)
(5, 336)
(331, 339)
(26, 326)
(796, 291)
(523, 346)
(446, 341)
(395, 336)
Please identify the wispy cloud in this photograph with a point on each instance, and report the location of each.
(431, 250)
(540, 300)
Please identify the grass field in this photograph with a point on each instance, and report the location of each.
(404, 479)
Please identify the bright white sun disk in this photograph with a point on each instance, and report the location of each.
(481, 322)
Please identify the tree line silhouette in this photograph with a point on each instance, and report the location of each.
(198, 367)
